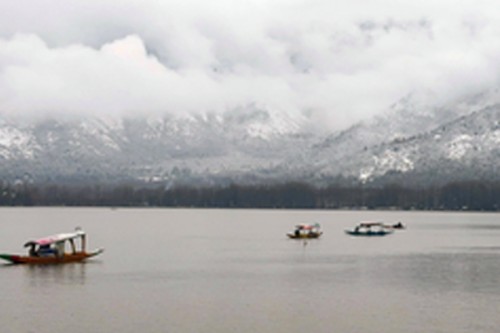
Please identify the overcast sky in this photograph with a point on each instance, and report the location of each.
(340, 61)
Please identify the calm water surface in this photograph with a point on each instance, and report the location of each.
(174, 270)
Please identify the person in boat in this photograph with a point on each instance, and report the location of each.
(298, 230)
(398, 225)
(46, 250)
(32, 251)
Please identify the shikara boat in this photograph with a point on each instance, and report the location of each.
(302, 231)
(54, 250)
(370, 229)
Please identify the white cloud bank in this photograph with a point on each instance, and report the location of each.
(342, 61)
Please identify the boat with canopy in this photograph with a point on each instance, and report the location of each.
(370, 229)
(305, 231)
(56, 249)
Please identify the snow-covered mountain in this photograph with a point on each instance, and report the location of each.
(466, 148)
(413, 143)
(379, 149)
(201, 148)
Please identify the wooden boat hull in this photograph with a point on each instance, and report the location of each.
(50, 260)
(304, 236)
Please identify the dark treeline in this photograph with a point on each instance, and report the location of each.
(476, 196)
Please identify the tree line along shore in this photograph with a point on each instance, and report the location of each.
(468, 196)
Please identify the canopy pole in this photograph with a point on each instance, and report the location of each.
(83, 243)
(73, 248)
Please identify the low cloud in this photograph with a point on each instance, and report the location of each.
(338, 62)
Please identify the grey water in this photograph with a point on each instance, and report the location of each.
(193, 270)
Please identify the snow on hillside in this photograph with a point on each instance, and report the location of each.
(413, 142)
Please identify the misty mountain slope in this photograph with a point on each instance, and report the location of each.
(410, 144)
(410, 116)
(162, 147)
(230, 147)
(466, 148)
(343, 153)
(16, 143)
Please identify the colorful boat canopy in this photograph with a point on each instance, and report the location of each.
(56, 238)
(304, 226)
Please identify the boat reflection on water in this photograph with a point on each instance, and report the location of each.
(56, 275)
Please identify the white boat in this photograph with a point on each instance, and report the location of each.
(370, 229)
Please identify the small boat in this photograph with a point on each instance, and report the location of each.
(370, 229)
(302, 231)
(52, 250)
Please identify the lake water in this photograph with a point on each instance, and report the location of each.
(183, 270)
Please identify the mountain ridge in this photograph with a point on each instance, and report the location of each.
(412, 144)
